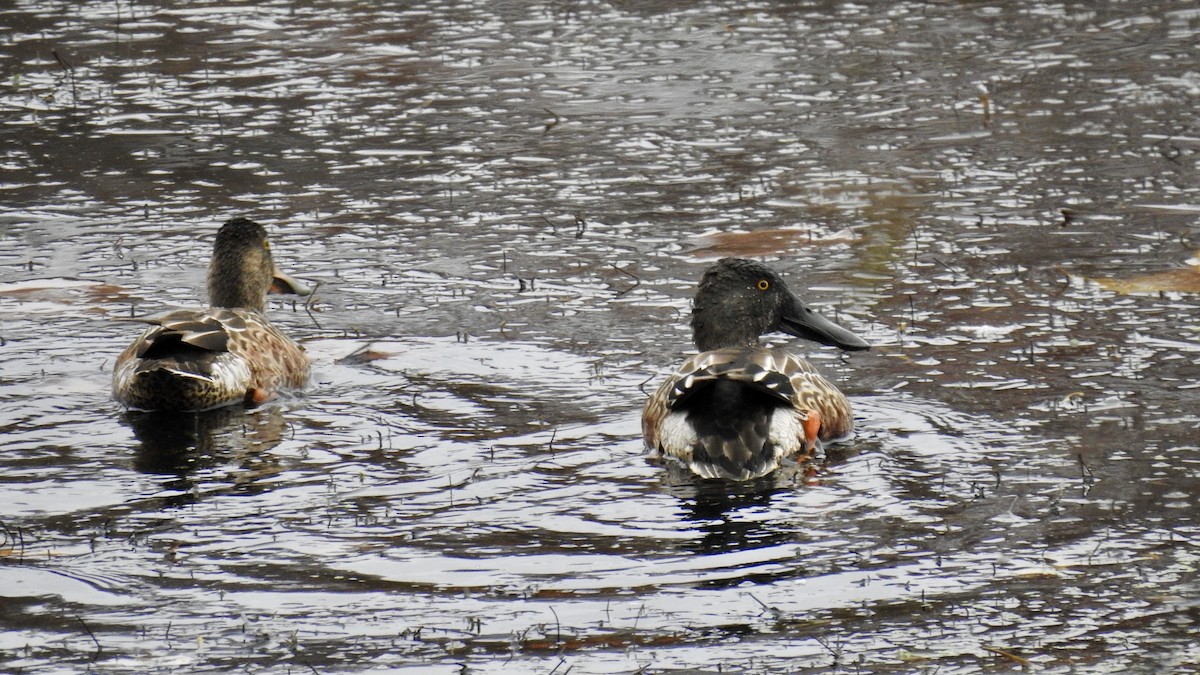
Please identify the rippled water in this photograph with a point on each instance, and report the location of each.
(507, 206)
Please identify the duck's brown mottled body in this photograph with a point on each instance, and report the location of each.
(191, 360)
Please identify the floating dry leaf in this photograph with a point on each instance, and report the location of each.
(43, 288)
(64, 291)
(767, 242)
(1186, 280)
(364, 354)
(1182, 280)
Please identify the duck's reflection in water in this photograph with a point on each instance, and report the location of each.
(735, 515)
(194, 447)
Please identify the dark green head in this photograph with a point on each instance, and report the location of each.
(740, 300)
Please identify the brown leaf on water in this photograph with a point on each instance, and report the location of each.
(44, 289)
(1182, 280)
(364, 354)
(107, 292)
(616, 640)
(1186, 280)
(21, 554)
(767, 242)
(91, 295)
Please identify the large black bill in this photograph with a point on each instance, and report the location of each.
(805, 323)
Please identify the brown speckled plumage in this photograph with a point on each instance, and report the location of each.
(737, 410)
(190, 360)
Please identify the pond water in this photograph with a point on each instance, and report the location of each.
(505, 207)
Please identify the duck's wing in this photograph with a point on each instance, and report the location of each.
(195, 360)
(764, 370)
(725, 414)
(775, 372)
(736, 413)
(208, 330)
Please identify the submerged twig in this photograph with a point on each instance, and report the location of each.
(774, 611)
(1085, 472)
(985, 100)
(637, 281)
(308, 305)
(834, 648)
(952, 271)
(1008, 655)
(553, 123)
(92, 635)
(642, 386)
(70, 76)
(557, 626)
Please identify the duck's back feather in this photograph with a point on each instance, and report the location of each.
(737, 413)
(207, 331)
(195, 360)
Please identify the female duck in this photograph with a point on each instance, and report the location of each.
(736, 410)
(192, 360)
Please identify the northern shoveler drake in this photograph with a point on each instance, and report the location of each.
(192, 360)
(736, 409)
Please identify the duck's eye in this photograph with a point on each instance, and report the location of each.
(266, 245)
(763, 284)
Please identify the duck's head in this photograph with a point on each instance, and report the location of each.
(242, 271)
(740, 300)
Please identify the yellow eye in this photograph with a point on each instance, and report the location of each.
(763, 284)
(266, 245)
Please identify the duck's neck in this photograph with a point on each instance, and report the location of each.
(717, 325)
(234, 288)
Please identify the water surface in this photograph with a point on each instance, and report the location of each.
(506, 207)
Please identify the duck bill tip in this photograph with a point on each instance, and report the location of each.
(804, 323)
(283, 283)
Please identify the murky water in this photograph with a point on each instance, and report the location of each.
(507, 206)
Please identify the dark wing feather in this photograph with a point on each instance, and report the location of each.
(729, 397)
(755, 368)
(733, 426)
(736, 413)
(186, 330)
